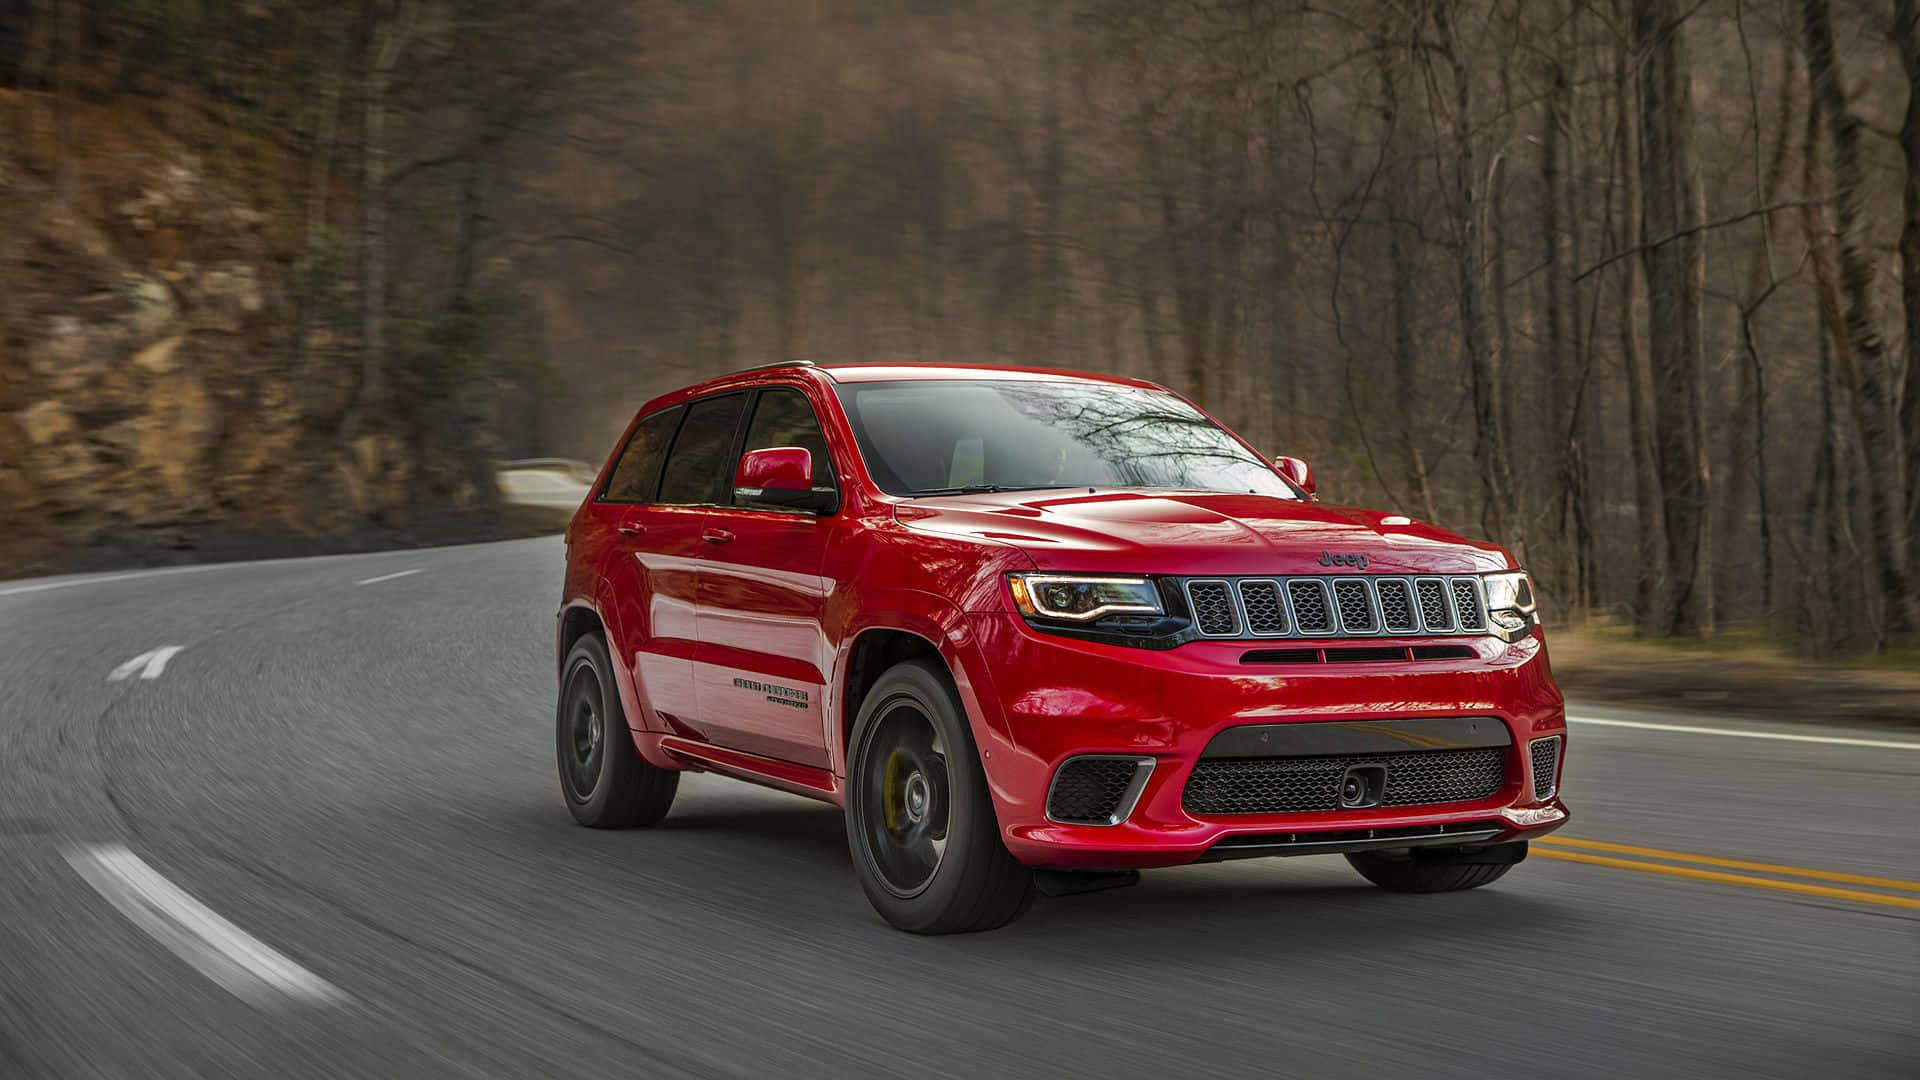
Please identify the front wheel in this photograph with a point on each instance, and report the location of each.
(926, 844)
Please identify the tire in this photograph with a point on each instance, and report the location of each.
(1400, 872)
(606, 783)
(915, 791)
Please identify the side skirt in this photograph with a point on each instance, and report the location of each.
(767, 772)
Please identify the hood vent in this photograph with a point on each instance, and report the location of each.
(1358, 654)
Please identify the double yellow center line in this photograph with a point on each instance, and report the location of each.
(1571, 849)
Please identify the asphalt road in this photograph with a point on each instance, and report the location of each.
(352, 772)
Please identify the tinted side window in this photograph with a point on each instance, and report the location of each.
(785, 418)
(636, 477)
(697, 466)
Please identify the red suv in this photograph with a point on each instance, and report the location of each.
(1041, 628)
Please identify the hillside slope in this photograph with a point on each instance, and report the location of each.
(157, 391)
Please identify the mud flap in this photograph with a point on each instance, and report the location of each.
(1075, 882)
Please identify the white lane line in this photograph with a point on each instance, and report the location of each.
(1779, 736)
(81, 580)
(216, 948)
(150, 664)
(102, 579)
(389, 577)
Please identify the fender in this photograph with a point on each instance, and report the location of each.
(942, 624)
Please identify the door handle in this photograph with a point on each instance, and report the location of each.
(716, 536)
(630, 529)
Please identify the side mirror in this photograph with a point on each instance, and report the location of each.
(780, 476)
(1296, 471)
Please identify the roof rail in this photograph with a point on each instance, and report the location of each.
(770, 367)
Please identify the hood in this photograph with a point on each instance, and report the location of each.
(1157, 532)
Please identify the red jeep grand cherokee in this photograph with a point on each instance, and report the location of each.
(1034, 625)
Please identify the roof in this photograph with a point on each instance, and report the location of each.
(884, 372)
(859, 373)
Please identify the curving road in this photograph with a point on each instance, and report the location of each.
(323, 838)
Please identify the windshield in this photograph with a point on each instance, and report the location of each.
(936, 437)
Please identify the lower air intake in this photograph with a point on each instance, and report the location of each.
(1292, 785)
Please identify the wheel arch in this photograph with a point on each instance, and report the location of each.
(578, 618)
(917, 625)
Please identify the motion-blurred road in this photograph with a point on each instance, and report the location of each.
(556, 483)
(323, 837)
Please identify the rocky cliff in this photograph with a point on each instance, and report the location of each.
(160, 385)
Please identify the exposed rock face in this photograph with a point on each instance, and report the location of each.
(150, 379)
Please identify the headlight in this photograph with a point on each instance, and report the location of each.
(1510, 604)
(1083, 597)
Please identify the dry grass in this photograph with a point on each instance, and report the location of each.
(1740, 671)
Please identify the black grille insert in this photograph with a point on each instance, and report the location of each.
(1467, 599)
(1433, 604)
(1292, 785)
(1089, 790)
(1356, 614)
(1266, 612)
(1396, 606)
(1310, 612)
(1212, 608)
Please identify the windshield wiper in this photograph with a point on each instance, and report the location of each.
(987, 489)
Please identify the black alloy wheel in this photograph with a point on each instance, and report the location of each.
(584, 733)
(904, 787)
(607, 784)
(920, 821)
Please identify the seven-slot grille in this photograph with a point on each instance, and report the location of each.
(1545, 755)
(1357, 606)
(1290, 785)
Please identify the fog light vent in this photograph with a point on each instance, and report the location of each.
(1097, 789)
(1545, 759)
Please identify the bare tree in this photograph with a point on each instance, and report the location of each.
(1675, 265)
(1873, 369)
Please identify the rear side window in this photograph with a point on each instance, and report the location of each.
(697, 465)
(784, 418)
(636, 477)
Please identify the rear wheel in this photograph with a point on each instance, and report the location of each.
(926, 844)
(607, 784)
(1402, 871)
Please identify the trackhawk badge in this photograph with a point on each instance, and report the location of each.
(1328, 558)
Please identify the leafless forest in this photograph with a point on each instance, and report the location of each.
(1630, 285)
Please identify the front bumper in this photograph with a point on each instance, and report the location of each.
(1045, 699)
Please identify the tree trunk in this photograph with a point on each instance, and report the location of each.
(1652, 609)
(1906, 35)
(1839, 619)
(1499, 518)
(387, 39)
(1403, 279)
(1876, 372)
(1675, 261)
(1564, 381)
(1749, 439)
